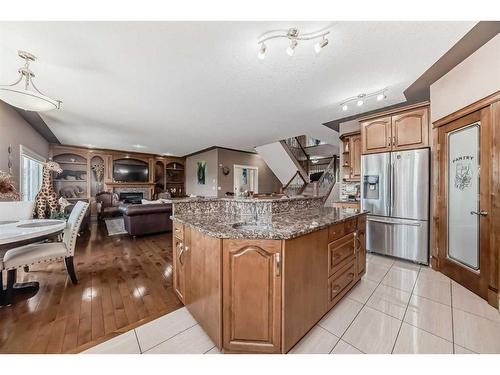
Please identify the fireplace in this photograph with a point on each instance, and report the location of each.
(133, 197)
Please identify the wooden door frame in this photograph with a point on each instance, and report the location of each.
(491, 105)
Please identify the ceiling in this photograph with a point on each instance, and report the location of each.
(178, 87)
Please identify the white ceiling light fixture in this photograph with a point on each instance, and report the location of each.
(294, 35)
(21, 95)
(362, 98)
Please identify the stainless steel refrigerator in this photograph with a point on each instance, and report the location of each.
(395, 189)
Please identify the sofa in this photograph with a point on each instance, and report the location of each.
(141, 219)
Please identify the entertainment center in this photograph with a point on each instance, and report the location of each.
(88, 171)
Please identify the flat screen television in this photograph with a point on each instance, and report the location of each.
(130, 170)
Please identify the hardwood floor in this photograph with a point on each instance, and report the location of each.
(122, 283)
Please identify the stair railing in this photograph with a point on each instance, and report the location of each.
(295, 186)
(328, 179)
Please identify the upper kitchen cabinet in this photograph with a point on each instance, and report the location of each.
(376, 135)
(351, 156)
(400, 129)
(410, 130)
(356, 157)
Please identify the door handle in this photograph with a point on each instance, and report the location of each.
(181, 251)
(277, 258)
(392, 223)
(480, 213)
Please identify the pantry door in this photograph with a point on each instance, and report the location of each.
(465, 209)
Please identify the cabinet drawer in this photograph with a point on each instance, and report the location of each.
(178, 230)
(341, 282)
(335, 231)
(339, 230)
(340, 252)
(350, 226)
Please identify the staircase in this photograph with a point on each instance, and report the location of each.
(300, 174)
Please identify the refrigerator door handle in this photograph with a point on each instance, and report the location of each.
(388, 204)
(392, 182)
(393, 223)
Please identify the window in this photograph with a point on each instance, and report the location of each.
(31, 173)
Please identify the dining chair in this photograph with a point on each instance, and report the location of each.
(47, 252)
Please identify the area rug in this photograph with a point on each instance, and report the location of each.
(115, 226)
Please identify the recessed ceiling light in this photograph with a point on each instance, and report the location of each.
(345, 107)
(381, 96)
(139, 146)
(360, 102)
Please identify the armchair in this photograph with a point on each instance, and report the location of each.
(107, 204)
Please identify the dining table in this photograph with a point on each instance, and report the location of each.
(17, 233)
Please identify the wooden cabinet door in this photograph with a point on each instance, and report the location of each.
(252, 295)
(355, 154)
(304, 285)
(179, 262)
(376, 135)
(410, 130)
(361, 247)
(204, 282)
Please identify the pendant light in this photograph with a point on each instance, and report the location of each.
(23, 93)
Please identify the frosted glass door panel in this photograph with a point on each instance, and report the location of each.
(463, 195)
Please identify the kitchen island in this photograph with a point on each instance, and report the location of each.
(257, 275)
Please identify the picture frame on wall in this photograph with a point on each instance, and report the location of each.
(201, 172)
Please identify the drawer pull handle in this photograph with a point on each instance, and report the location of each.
(350, 275)
(336, 289)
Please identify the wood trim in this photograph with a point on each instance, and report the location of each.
(494, 285)
(350, 134)
(495, 97)
(394, 111)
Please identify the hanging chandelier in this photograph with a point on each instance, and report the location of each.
(294, 36)
(23, 93)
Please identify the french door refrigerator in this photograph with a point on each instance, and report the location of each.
(395, 191)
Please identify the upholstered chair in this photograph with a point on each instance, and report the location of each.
(16, 210)
(107, 203)
(47, 252)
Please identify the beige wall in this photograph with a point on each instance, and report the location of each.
(268, 182)
(473, 79)
(210, 187)
(14, 130)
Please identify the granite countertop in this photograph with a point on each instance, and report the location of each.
(283, 226)
(238, 199)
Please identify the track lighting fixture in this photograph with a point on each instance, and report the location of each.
(291, 48)
(361, 99)
(294, 35)
(318, 47)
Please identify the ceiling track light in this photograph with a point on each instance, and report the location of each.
(362, 98)
(23, 93)
(318, 47)
(294, 35)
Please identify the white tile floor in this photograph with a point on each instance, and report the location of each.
(397, 307)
